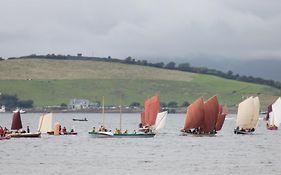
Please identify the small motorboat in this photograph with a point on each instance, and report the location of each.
(79, 119)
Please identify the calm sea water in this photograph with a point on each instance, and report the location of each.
(167, 153)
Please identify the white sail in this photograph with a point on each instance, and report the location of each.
(160, 120)
(45, 123)
(255, 118)
(276, 110)
(271, 119)
(245, 113)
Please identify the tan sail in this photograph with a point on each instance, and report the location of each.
(195, 114)
(211, 111)
(45, 123)
(245, 113)
(256, 114)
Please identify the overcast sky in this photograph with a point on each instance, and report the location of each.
(246, 29)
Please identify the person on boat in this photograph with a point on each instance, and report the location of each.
(94, 129)
(64, 130)
(134, 132)
(116, 131)
(140, 125)
(126, 131)
(72, 130)
(27, 129)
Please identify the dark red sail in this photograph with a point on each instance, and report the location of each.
(16, 123)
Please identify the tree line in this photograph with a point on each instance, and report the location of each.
(186, 67)
(12, 101)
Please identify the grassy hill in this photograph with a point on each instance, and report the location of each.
(52, 82)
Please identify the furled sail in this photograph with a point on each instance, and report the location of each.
(211, 111)
(245, 113)
(276, 109)
(16, 123)
(195, 114)
(160, 120)
(151, 109)
(45, 123)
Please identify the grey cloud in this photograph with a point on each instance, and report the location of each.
(182, 28)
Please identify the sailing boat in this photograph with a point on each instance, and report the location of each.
(104, 133)
(151, 118)
(274, 115)
(203, 117)
(17, 125)
(45, 123)
(247, 116)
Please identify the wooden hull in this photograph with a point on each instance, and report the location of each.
(105, 135)
(80, 120)
(198, 134)
(5, 137)
(30, 135)
(67, 133)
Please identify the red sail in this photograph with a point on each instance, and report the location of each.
(220, 121)
(195, 115)
(211, 111)
(223, 111)
(16, 123)
(151, 109)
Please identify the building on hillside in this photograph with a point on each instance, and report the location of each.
(76, 104)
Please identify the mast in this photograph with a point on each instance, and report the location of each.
(120, 111)
(103, 116)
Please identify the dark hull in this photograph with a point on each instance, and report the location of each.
(198, 134)
(67, 133)
(242, 132)
(27, 135)
(80, 120)
(138, 135)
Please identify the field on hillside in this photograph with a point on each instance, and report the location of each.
(92, 80)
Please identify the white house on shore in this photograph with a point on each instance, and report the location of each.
(76, 104)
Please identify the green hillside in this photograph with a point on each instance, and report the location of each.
(52, 82)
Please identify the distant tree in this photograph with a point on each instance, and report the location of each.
(134, 104)
(161, 64)
(172, 104)
(171, 65)
(184, 67)
(63, 105)
(163, 104)
(25, 103)
(128, 60)
(10, 101)
(144, 62)
(185, 104)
